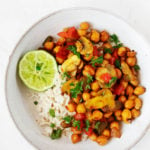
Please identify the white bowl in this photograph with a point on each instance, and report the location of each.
(51, 25)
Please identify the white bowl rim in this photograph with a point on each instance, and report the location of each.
(30, 28)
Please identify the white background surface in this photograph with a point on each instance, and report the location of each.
(16, 16)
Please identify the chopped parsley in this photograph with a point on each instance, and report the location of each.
(66, 75)
(52, 112)
(99, 60)
(137, 67)
(56, 134)
(114, 39)
(71, 84)
(67, 119)
(35, 102)
(117, 63)
(78, 89)
(52, 125)
(89, 80)
(113, 79)
(87, 124)
(107, 50)
(118, 46)
(97, 124)
(73, 49)
(76, 123)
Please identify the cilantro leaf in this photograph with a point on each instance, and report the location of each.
(99, 60)
(87, 124)
(118, 45)
(65, 74)
(114, 38)
(73, 49)
(107, 50)
(89, 80)
(67, 119)
(52, 125)
(97, 125)
(71, 84)
(52, 112)
(137, 67)
(78, 89)
(56, 134)
(76, 123)
(117, 63)
(113, 79)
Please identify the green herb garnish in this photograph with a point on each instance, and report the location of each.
(107, 50)
(74, 50)
(78, 89)
(52, 125)
(114, 38)
(71, 84)
(118, 46)
(87, 124)
(113, 79)
(35, 102)
(99, 60)
(89, 80)
(56, 134)
(66, 75)
(117, 63)
(97, 124)
(67, 119)
(137, 67)
(52, 112)
(76, 123)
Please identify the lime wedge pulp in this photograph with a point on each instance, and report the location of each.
(37, 69)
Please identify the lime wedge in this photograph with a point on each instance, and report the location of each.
(37, 69)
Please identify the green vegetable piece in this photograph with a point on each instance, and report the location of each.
(137, 67)
(118, 46)
(97, 125)
(67, 119)
(89, 80)
(107, 50)
(35, 102)
(66, 75)
(56, 134)
(117, 63)
(99, 60)
(114, 38)
(73, 49)
(76, 123)
(87, 124)
(113, 79)
(71, 84)
(52, 125)
(52, 112)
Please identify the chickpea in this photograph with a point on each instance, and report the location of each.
(106, 133)
(131, 61)
(105, 62)
(95, 36)
(81, 108)
(59, 60)
(107, 56)
(124, 83)
(71, 107)
(84, 25)
(132, 97)
(75, 138)
(86, 96)
(107, 45)
(95, 86)
(97, 115)
(131, 54)
(48, 45)
(122, 98)
(56, 49)
(104, 36)
(114, 124)
(88, 70)
(77, 99)
(82, 32)
(126, 115)
(61, 41)
(129, 90)
(102, 140)
(138, 103)
(139, 90)
(93, 137)
(118, 115)
(93, 93)
(115, 133)
(108, 114)
(119, 73)
(129, 104)
(122, 51)
(89, 115)
(135, 113)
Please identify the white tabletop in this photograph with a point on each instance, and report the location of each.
(16, 16)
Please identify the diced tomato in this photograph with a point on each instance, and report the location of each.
(112, 60)
(81, 124)
(63, 53)
(70, 33)
(89, 132)
(118, 88)
(114, 57)
(95, 51)
(80, 116)
(115, 54)
(106, 77)
(70, 43)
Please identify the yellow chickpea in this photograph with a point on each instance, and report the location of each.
(126, 115)
(115, 133)
(56, 49)
(107, 114)
(122, 98)
(86, 96)
(84, 25)
(105, 62)
(114, 124)
(107, 45)
(89, 115)
(104, 36)
(132, 97)
(71, 107)
(129, 90)
(131, 61)
(138, 103)
(135, 113)
(102, 140)
(129, 104)
(95, 86)
(48, 45)
(95, 36)
(118, 115)
(77, 99)
(107, 56)
(106, 133)
(81, 108)
(139, 90)
(97, 115)
(119, 73)
(93, 136)
(124, 83)
(59, 60)
(81, 32)
(75, 138)
(122, 51)
(131, 54)
(93, 93)
(88, 70)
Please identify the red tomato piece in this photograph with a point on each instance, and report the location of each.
(118, 88)
(80, 116)
(63, 53)
(106, 77)
(95, 51)
(115, 54)
(89, 132)
(112, 60)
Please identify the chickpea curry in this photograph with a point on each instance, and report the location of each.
(101, 78)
